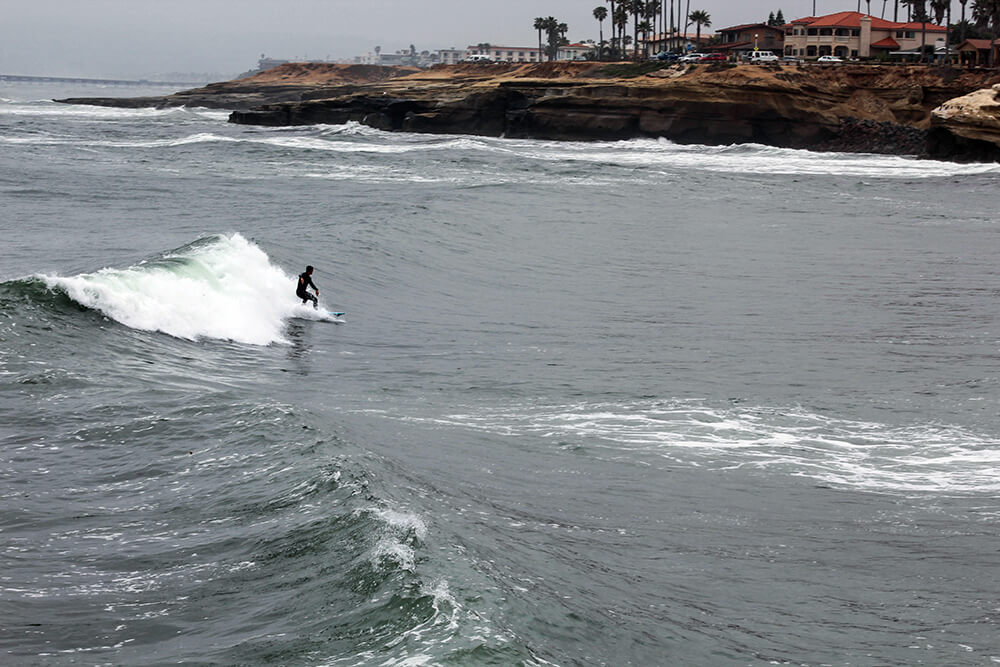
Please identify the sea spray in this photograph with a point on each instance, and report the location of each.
(223, 287)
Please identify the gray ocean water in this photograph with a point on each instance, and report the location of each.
(621, 403)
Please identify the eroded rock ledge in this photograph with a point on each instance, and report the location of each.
(967, 127)
(853, 107)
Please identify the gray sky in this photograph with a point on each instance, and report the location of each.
(143, 38)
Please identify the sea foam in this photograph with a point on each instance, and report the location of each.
(224, 288)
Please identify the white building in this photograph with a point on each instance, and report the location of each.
(506, 54)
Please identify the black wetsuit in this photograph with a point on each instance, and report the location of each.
(305, 280)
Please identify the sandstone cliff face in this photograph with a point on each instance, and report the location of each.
(967, 127)
(869, 108)
(858, 108)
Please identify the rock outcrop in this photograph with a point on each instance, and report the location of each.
(967, 127)
(853, 107)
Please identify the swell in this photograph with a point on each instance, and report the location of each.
(248, 513)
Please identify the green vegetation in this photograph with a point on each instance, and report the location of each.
(556, 33)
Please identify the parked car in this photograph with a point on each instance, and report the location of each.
(713, 58)
(666, 56)
(691, 58)
(829, 59)
(759, 57)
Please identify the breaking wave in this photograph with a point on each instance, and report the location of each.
(222, 287)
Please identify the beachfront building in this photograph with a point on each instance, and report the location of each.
(506, 54)
(855, 35)
(739, 40)
(577, 51)
(451, 56)
(976, 52)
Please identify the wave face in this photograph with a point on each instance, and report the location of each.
(223, 287)
(620, 403)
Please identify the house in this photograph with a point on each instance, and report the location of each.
(505, 54)
(450, 56)
(577, 51)
(976, 52)
(742, 39)
(856, 35)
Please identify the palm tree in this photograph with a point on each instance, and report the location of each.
(621, 21)
(637, 8)
(613, 24)
(964, 24)
(539, 26)
(918, 12)
(600, 13)
(645, 28)
(700, 18)
(653, 10)
(551, 30)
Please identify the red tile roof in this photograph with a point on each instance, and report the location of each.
(853, 20)
(980, 44)
(887, 43)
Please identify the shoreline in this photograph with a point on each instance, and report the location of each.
(849, 108)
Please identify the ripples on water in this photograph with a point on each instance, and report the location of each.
(593, 403)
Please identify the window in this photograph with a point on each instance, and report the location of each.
(813, 31)
(828, 32)
(811, 51)
(856, 32)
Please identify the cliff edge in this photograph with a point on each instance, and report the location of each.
(867, 108)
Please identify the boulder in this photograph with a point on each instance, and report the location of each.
(967, 127)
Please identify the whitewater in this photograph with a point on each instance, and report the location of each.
(608, 403)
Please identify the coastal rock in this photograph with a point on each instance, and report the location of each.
(866, 108)
(967, 127)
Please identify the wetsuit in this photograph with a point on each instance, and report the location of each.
(305, 280)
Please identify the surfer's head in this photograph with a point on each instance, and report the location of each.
(309, 269)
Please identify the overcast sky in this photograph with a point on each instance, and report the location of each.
(144, 38)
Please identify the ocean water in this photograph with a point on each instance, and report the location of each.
(624, 403)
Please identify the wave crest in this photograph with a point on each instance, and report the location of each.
(222, 287)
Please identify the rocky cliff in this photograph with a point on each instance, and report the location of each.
(851, 107)
(967, 127)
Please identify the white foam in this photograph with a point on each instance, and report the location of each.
(746, 158)
(920, 458)
(225, 289)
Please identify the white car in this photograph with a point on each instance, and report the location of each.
(758, 57)
(690, 58)
(829, 59)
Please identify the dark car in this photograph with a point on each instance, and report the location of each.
(667, 56)
(713, 58)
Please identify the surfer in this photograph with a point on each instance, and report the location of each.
(305, 280)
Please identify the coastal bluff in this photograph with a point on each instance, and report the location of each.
(865, 108)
